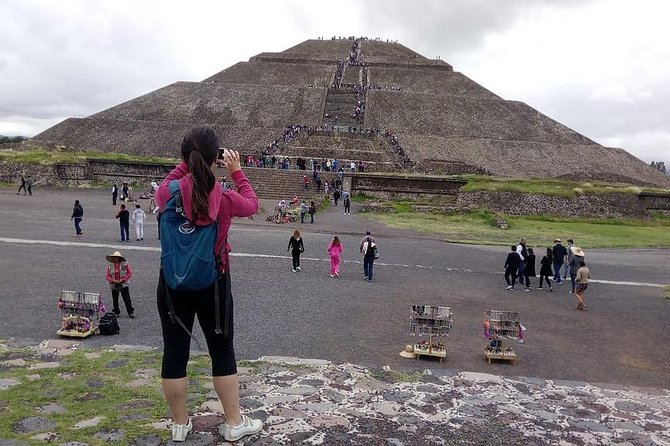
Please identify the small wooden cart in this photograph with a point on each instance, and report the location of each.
(80, 313)
(500, 326)
(433, 323)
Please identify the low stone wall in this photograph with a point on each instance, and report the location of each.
(81, 173)
(388, 186)
(585, 205)
(655, 201)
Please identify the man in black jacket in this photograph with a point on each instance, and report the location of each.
(77, 216)
(559, 252)
(511, 267)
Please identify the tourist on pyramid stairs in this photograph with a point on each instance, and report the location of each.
(545, 269)
(204, 203)
(305, 181)
(511, 267)
(529, 269)
(559, 253)
(118, 275)
(296, 246)
(124, 223)
(77, 216)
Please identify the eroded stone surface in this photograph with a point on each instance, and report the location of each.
(34, 424)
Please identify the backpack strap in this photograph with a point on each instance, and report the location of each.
(175, 193)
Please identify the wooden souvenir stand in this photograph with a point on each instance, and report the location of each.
(433, 324)
(80, 313)
(499, 327)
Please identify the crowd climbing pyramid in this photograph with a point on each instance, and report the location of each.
(355, 99)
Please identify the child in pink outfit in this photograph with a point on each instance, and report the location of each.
(335, 249)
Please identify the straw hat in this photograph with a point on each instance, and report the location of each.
(116, 254)
(558, 240)
(408, 352)
(576, 250)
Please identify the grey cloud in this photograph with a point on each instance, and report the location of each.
(438, 27)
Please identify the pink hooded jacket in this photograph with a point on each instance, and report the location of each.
(223, 205)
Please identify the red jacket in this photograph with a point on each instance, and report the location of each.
(223, 205)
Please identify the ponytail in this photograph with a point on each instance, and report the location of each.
(203, 182)
(199, 150)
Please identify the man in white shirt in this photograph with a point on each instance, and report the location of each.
(138, 218)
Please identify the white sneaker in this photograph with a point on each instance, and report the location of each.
(180, 431)
(248, 426)
(509, 287)
(332, 275)
(293, 270)
(298, 268)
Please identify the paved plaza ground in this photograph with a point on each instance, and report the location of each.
(617, 343)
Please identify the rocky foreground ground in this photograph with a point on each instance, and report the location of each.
(312, 402)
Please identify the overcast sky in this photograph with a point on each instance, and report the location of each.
(600, 67)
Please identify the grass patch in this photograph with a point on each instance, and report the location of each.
(545, 186)
(48, 157)
(362, 198)
(87, 387)
(666, 292)
(479, 228)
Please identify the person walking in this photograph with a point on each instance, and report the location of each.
(118, 275)
(566, 265)
(335, 250)
(369, 250)
(583, 276)
(22, 186)
(511, 267)
(296, 246)
(303, 211)
(77, 216)
(545, 269)
(529, 269)
(576, 255)
(29, 185)
(138, 218)
(347, 203)
(115, 193)
(336, 195)
(312, 211)
(523, 253)
(204, 202)
(124, 223)
(558, 253)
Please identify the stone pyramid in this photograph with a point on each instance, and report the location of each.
(444, 121)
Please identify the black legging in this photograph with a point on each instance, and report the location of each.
(545, 277)
(295, 253)
(177, 343)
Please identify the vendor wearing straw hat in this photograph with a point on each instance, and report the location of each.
(118, 275)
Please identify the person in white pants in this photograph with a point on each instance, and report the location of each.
(138, 218)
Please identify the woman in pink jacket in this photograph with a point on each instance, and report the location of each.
(335, 249)
(204, 201)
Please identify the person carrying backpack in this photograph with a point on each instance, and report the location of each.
(312, 211)
(191, 195)
(369, 250)
(347, 202)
